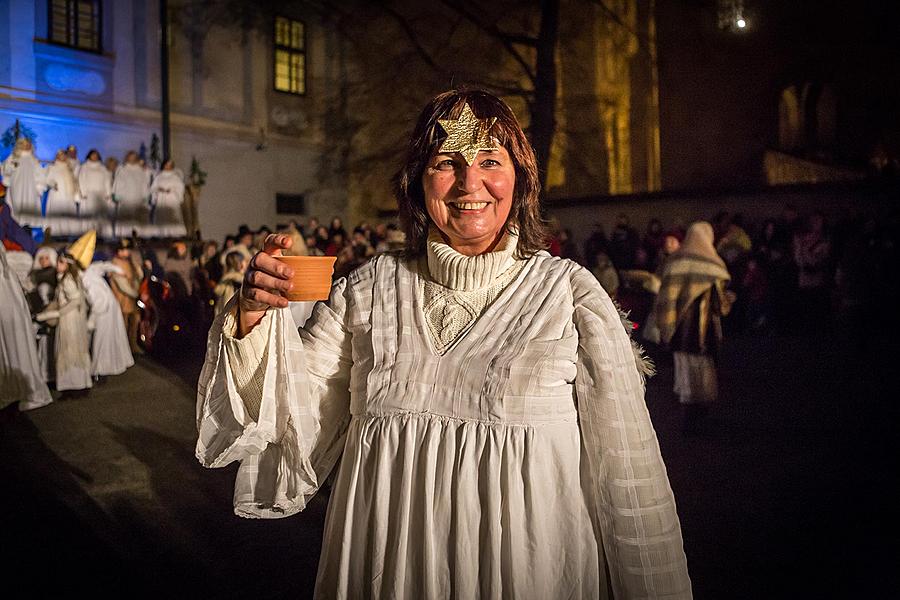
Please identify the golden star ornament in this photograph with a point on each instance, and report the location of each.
(467, 135)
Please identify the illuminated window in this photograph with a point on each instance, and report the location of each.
(75, 23)
(290, 56)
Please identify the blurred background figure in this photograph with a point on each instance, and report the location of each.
(125, 284)
(72, 340)
(688, 314)
(95, 189)
(110, 353)
(167, 196)
(21, 379)
(230, 283)
(62, 195)
(25, 181)
(130, 195)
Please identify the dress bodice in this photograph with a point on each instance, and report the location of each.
(515, 364)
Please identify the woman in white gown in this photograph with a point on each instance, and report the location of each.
(72, 339)
(62, 195)
(110, 353)
(95, 186)
(20, 370)
(26, 179)
(167, 196)
(131, 195)
(483, 398)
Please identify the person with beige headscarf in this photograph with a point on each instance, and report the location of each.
(688, 314)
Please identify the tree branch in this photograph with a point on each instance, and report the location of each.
(495, 32)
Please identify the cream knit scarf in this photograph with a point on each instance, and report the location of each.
(461, 287)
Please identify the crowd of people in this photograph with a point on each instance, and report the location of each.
(788, 271)
(67, 196)
(64, 321)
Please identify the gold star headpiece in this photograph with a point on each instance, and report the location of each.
(467, 135)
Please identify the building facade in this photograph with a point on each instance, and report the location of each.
(250, 105)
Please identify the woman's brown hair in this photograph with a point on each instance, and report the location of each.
(524, 216)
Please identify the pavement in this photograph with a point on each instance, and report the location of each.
(785, 492)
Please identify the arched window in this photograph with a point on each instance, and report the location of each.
(76, 23)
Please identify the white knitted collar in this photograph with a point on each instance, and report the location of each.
(466, 273)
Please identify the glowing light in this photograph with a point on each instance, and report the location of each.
(176, 328)
(212, 302)
(741, 23)
(140, 304)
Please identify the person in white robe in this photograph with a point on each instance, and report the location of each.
(72, 339)
(95, 187)
(110, 353)
(72, 157)
(167, 196)
(21, 379)
(25, 179)
(62, 195)
(482, 398)
(131, 195)
(44, 279)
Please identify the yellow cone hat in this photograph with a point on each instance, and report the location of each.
(83, 248)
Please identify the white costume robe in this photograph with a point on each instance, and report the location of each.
(167, 192)
(521, 463)
(62, 195)
(72, 341)
(131, 190)
(20, 370)
(26, 180)
(110, 353)
(95, 185)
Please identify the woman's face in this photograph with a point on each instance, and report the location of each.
(93, 156)
(470, 204)
(61, 265)
(44, 261)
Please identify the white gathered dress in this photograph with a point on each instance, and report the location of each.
(131, 191)
(72, 342)
(520, 463)
(95, 187)
(21, 379)
(167, 192)
(27, 181)
(62, 195)
(110, 352)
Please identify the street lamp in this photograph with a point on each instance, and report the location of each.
(732, 16)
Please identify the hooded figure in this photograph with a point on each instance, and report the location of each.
(110, 353)
(20, 372)
(688, 314)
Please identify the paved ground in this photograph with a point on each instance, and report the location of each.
(785, 493)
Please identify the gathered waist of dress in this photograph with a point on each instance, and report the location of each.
(532, 421)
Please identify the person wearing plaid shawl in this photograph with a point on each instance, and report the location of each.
(688, 314)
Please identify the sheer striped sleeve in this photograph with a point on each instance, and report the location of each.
(626, 484)
(278, 402)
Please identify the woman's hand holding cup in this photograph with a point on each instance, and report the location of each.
(265, 280)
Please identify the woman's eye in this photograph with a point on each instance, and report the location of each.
(490, 163)
(445, 165)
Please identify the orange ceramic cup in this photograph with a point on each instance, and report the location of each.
(312, 277)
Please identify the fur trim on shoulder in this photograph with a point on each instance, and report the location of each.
(644, 363)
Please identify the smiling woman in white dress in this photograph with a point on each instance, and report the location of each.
(482, 397)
